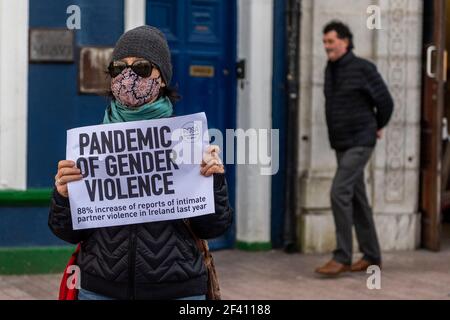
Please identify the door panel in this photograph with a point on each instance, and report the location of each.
(432, 113)
(161, 14)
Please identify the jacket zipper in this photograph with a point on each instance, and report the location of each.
(132, 264)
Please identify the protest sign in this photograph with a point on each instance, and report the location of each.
(140, 171)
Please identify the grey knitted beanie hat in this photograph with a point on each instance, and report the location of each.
(149, 43)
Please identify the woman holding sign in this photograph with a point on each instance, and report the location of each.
(158, 260)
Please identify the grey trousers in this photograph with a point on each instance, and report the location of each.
(350, 207)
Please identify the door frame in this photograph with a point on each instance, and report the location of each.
(14, 25)
(431, 123)
(134, 13)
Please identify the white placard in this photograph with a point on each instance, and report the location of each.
(139, 171)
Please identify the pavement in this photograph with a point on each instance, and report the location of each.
(275, 275)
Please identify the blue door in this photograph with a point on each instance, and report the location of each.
(54, 105)
(202, 39)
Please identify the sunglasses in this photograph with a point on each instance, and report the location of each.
(142, 68)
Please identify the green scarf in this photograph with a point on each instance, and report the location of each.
(116, 112)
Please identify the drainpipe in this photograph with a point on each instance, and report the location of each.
(293, 15)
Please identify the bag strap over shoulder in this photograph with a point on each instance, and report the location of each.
(213, 280)
(201, 244)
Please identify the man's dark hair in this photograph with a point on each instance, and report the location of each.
(342, 30)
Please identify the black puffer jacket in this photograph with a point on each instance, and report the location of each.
(358, 102)
(157, 260)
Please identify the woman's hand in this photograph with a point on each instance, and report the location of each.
(211, 162)
(67, 172)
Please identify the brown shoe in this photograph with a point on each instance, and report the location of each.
(362, 265)
(332, 268)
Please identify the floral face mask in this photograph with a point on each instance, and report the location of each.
(134, 91)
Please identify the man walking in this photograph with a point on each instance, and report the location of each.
(358, 106)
